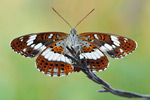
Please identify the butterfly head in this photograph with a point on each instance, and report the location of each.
(73, 34)
(73, 31)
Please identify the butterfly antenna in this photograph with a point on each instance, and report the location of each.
(84, 17)
(62, 17)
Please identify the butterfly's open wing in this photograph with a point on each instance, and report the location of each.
(52, 60)
(31, 45)
(96, 59)
(114, 45)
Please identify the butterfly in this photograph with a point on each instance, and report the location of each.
(50, 49)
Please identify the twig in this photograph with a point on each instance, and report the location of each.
(107, 88)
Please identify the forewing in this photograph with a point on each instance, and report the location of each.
(114, 45)
(31, 45)
(52, 60)
(96, 59)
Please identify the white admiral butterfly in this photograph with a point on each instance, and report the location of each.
(50, 47)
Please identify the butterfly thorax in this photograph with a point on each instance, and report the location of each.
(73, 39)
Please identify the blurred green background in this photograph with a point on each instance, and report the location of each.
(20, 80)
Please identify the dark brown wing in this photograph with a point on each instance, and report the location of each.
(114, 45)
(31, 45)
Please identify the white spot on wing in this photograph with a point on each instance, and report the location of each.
(55, 56)
(55, 70)
(62, 74)
(97, 55)
(81, 56)
(29, 43)
(51, 56)
(33, 36)
(113, 46)
(67, 60)
(32, 39)
(89, 36)
(117, 44)
(113, 38)
(54, 74)
(45, 52)
(121, 50)
(84, 55)
(125, 54)
(32, 45)
(50, 36)
(62, 58)
(88, 55)
(125, 39)
(95, 35)
(24, 50)
(108, 46)
(38, 46)
(93, 56)
(47, 55)
(117, 41)
(21, 38)
(49, 70)
(103, 49)
(42, 48)
(99, 52)
(58, 59)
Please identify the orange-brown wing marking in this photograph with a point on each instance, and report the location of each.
(99, 64)
(18, 45)
(31, 45)
(96, 36)
(53, 68)
(127, 45)
(58, 46)
(95, 65)
(114, 45)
